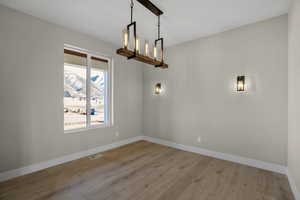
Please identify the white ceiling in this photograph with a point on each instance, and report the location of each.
(183, 19)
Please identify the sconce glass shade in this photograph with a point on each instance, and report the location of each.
(157, 88)
(125, 38)
(241, 83)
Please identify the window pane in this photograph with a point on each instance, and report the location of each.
(74, 96)
(98, 93)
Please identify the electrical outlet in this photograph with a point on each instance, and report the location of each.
(199, 139)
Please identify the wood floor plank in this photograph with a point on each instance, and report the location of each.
(147, 171)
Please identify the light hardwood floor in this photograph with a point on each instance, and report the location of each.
(147, 171)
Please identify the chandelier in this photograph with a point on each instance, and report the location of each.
(131, 43)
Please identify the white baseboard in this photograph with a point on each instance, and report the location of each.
(237, 159)
(223, 156)
(50, 163)
(293, 185)
(233, 158)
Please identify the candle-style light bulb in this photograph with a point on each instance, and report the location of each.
(155, 53)
(137, 42)
(240, 86)
(125, 38)
(146, 48)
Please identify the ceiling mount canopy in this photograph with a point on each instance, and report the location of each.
(131, 46)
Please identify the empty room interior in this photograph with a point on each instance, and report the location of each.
(150, 100)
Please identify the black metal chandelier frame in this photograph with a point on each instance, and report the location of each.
(156, 11)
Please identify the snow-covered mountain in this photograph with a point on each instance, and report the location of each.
(75, 85)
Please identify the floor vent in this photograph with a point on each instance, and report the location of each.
(96, 156)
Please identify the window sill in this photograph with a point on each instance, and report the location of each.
(79, 130)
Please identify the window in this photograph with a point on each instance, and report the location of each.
(87, 90)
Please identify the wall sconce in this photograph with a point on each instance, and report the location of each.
(241, 83)
(157, 88)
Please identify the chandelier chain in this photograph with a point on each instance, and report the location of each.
(158, 35)
(131, 8)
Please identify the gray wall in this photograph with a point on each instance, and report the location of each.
(31, 92)
(294, 95)
(200, 99)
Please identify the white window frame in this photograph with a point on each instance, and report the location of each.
(108, 101)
